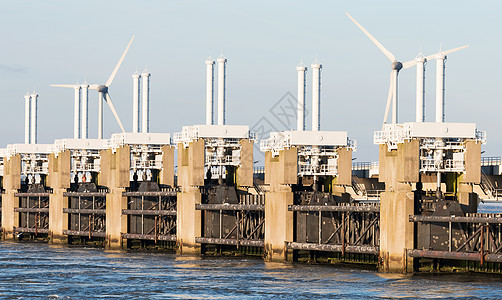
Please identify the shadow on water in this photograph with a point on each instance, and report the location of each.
(36, 270)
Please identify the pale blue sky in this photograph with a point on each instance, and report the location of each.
(44, 42)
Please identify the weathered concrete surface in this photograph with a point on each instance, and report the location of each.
(11, 183)
(114, 174)
(398, 169)
(190, 178)
(59, 180)
(167, 173)
(280, 172)
(244, 174)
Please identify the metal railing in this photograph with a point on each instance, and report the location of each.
(491, 161)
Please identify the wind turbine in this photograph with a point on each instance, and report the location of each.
(396, 67)
(102, 94)
(420, 61)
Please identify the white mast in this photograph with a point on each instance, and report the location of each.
(209, 91)
(300, 116)
(76, 113)
(135, 102)
(145, 76)
(440, 65)
(222, 62)
(34, 99)
(27, 118)
(100, 115)
(316, 95)
(420, 116)
(85, 110)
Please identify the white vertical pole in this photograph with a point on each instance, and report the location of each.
(27, 118)
(34, 99)
(76, 113)
(85, 110)
(209, 91)
(394, 98)
(100, 115)
(145, 76)
(420, 109)
(440, 65)
(135, 102)
(221, 89)
(316, 95)
(300, 115)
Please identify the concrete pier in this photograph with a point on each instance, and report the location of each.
(190, 179)
(11, 183)
(115, 175)
(280, 174)
(59, 180)
(399, 169)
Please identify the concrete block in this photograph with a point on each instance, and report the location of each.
(408, 161)
(167, 173)
(245, 170)
(344, 167)
(278, 224)
(189, 222)
(472, 162)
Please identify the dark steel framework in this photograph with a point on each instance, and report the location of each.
(240, 224)
(475, 237)
(336, 227)
(33, 212)
(151, 215)
(86, 214)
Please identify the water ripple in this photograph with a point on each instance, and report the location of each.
(42, 271)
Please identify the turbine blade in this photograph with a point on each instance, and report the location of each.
(387, 53)
(109, 81)
(389, 99)
(446, 52)
(409, 64)
(65, 85)
(110, 104)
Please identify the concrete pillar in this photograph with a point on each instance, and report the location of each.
(167, 172)
(190, 178)
(59, 180)
(244, 173)
(115, 175)
(280, 173)
(398, 169)
(472, 175)
(11, 183)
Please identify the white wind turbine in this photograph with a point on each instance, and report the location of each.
(420, 61)
(396, 67)
(102, 93)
